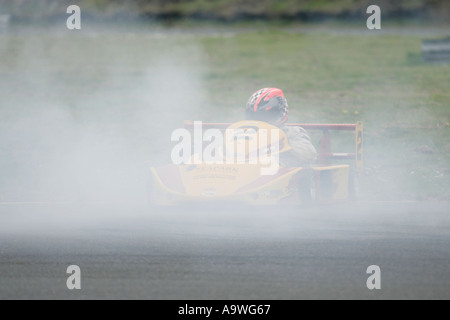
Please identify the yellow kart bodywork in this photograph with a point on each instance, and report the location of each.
(243, 183)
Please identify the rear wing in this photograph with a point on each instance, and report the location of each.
(325, 156)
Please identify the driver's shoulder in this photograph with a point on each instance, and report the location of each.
(293, 131)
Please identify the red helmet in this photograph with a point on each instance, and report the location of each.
(269, 105)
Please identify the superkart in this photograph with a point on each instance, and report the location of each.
(333, 178)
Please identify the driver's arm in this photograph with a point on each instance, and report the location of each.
(302, 153)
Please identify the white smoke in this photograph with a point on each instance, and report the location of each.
(84, 116)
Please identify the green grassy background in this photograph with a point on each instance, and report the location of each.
(381, 80)
(143, 83)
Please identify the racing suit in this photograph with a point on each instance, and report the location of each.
(303, 152)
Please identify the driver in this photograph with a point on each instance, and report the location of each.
(270, 105)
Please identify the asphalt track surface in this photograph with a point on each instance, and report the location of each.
(132, 252)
